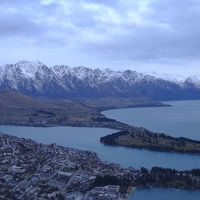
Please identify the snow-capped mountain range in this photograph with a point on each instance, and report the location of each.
(61, 81)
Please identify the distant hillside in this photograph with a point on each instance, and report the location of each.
(20, 109)
(38, 80)
(101, 104)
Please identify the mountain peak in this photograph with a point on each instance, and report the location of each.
(28, 63)
(194, 80)
(28, 68)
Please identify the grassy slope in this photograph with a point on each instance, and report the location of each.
(21, 109)
(101, 104)
(17, 109)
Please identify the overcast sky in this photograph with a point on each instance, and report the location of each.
(148, 35)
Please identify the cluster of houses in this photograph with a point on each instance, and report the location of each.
(29, 170)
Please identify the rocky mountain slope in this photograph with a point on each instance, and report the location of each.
(38, 80)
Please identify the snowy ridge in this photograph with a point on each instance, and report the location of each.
(193, 80)
(37, 79)
(177, 78)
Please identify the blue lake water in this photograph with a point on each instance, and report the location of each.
(183, 119)
(162, 119)
(164, 194)
(88, 139)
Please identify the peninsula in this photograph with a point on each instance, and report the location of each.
(145, 139)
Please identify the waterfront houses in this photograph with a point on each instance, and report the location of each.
(29, 170)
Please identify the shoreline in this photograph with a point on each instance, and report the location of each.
(129, 191)
(154, 150)
(135, 107)
(116, 127)
(144, 172)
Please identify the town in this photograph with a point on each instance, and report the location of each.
(30, 170)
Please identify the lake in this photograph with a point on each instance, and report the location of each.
(164, 194)
(180, 120)
(88, 139)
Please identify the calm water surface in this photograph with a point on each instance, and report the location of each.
(183, 119)
(164, 194)
(88, 139)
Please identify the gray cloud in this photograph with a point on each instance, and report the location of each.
(101, 32)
